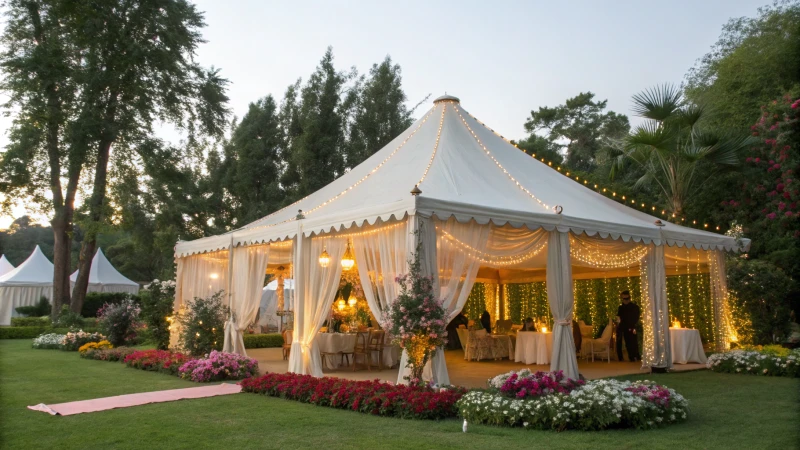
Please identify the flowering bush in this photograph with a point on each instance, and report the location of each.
(371, 397)
(416, 320)
(202, 325)
(157, 360)
(756, 363)
(157, 302)
(94, 346)
(526, 384)
(595, 405)
(218, 366)
(107, 354)
(120, 321)
(74, 341)
(49, 341)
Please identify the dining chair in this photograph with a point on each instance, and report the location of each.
(287, 343)
(601, 345)
(370, 343)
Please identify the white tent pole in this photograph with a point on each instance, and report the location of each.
(230, 275)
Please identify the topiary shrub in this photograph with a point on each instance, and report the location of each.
(271, 340)
(40, 309)
(30, 321)
(202, 325)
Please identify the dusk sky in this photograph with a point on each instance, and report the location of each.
(501, 58)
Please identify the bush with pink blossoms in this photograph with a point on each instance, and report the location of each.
(525, 384)
(219, 366)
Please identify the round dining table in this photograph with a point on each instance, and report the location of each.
(533, 347)
(686, 346)
(335, 343)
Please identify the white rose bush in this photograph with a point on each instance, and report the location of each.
(756, 363)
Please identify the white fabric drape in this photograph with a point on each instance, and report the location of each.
(719, 299)
(657, 352)
(201, 276)
(12, 297)
(459, 262)
(315, 289)
(247, 281)
(561, 300)
(381, 256)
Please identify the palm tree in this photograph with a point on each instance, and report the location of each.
(672, 143)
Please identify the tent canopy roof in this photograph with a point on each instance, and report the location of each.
(5, 266)
(37, 270)
(103, 273)
(466, 170)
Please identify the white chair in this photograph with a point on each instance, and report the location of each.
(599, 346)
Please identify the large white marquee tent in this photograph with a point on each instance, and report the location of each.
(103, 277)
(24, 285)
(480, 209)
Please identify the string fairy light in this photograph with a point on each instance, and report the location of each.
(362, 233)
(435, 145)
(487, 258)
(593, 256)
(497, 163)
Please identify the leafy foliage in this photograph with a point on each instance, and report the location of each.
(202, 325)
(760, 290)
(157, 303)
(120, 321)
(38, 310)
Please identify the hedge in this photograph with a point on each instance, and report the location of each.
(32, 332)
(270, 340)
(30, 321)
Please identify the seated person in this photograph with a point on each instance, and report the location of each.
(528, 325)
(486, 321)
(453, 342)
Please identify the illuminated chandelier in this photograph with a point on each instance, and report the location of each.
(324, 258)
(348, 260)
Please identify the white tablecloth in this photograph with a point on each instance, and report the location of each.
(346, 342)
(533, 347)
(686, 346)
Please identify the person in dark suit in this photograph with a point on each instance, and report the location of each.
(528, 325)
(628, 315)
(453, 342)
(486, 321)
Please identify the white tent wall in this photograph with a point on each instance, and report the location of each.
(25, 285)
(12, 297)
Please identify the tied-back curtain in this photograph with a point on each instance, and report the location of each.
(315, 289)
(561, 300)
(719, 299)
(247, 281)
(657, 347)
(381, 256)
(459, 246)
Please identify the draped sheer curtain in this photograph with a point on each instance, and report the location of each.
(247, 282)
(719, 299)
(315, 289)
(655, 308)
(561, 300)
(198, 276)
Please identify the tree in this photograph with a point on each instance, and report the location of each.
(754, 61)
(671, 145)
(579, 129)
(379, 113)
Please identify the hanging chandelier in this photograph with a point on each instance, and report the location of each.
(340, 304)
(324, 258)
(352, 301)
(348, 260)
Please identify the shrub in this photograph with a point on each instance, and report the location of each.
(270, 340)
(157, 302)
(95, 300)
(40, 309)
(49, 341)
(94, 346)
(596, 405)
(157, 360)
(68, 319)
(371, 397)
(120, 321)
(765, 363)
(74, 340)
(108, 354)
(30, 321)
(202, 325)
(219, 366)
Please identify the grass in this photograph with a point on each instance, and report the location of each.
(727, 411)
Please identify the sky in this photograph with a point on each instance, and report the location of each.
(502, 59)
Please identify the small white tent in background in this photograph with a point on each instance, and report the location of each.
(268, 319)
(5, 266)
(103, 277)
(24, 285)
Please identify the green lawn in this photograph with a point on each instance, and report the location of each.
(728, 411)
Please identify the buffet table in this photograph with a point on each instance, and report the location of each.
(686, 346)
(533, 347)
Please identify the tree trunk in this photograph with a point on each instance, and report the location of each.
(89, 246)
(61, 259)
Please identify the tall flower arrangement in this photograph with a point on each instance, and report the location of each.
(416, 320)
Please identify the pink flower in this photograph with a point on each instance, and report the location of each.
(772, 216)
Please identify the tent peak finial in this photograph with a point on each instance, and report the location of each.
(416, 190)
(447, 98)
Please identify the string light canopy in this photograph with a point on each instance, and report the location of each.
(324, 257)
(348, 259)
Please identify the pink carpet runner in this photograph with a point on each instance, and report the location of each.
(142, 398)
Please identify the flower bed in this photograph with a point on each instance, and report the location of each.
(49, 341)
(157, 360)
(756, 362)
(569, 404)
(219, 366)
(108, 354)
(526, 384)
(74, 341)
(371, 397)
(94, 346)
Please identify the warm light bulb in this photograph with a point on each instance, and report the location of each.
(348, 260)
(197, 334)
(324, 258)
(544, 329)
(352, 301)
(200, 322)
(213, 276)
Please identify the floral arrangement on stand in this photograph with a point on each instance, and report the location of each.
(218, 366)
(53, 341)
(416, 320)
(775, 362)
(370, 397)
(120, 321)
(157, 360)
(102, 345)
(547, 400)
(73, 341)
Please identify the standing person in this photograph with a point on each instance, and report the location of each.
(628, 317)
(486, 321)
